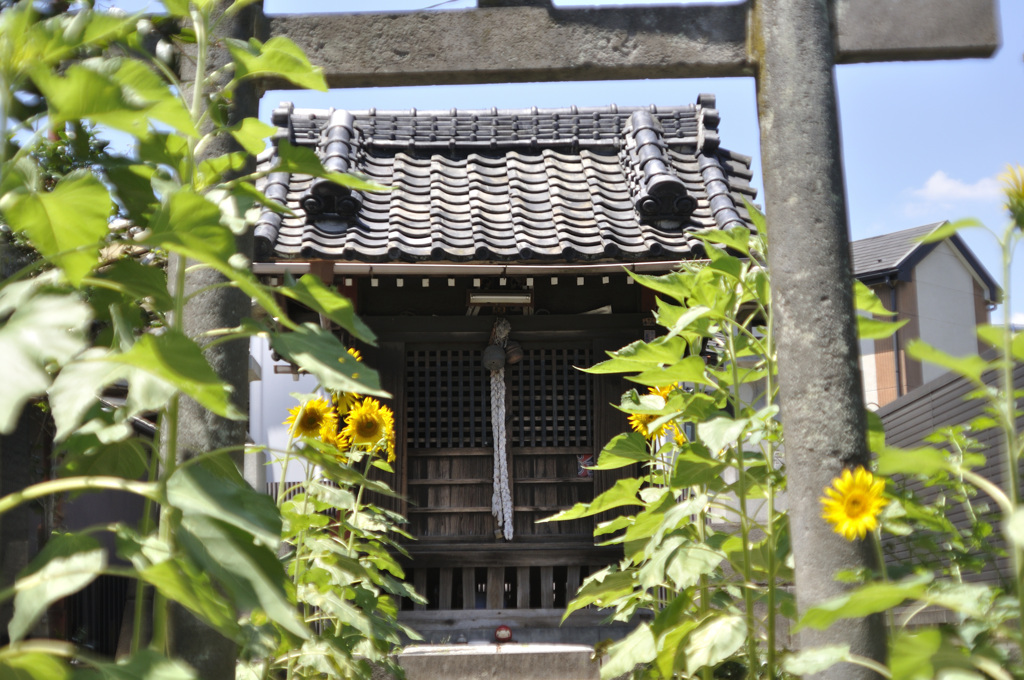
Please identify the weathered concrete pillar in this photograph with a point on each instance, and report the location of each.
(199, 430)
(812, 293)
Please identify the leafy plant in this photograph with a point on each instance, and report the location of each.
(97, 317)
(707, 552)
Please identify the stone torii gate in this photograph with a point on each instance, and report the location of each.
(790, 47)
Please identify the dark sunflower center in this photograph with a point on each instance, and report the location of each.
(310, 420)
(366, 428)
(855, 506)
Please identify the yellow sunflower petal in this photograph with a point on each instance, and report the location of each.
(853, 502)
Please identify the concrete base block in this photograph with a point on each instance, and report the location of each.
(499, 662)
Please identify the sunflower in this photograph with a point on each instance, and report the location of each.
(640, 422)
(344, 401)
(1013, 188)
(853, 502)
(330, 435)
(369, 423)
(311, 418)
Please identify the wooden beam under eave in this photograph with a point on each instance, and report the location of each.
(533, 44)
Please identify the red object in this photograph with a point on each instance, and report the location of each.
(503, 634)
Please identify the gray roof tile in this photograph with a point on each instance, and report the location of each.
(531, 185)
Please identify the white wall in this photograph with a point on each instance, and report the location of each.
(269, 402)
(868, 373)
(945, 305)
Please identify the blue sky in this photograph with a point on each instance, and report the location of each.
(922, 142)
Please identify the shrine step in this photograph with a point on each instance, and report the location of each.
(499, 662)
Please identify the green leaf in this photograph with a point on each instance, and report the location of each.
(866, 300)
(815, 659)
(948, 229)
(639, 647)
(189, 224)
(695, 467)
(870, 599)
(78, 387)
(971, 366)
(60, 577)
(623, 493)
(250, 574)
(278, 57)
(874, 329)
(127, 459)
(640, 356)
(602, 589)
(301, 160)
(624, 449)
(911, 653)
(689, 369)
(993, 336)
(310, 291)
(251, 133)
(214, 487)
(924, 461)
(1013, 528)
(735, 238)
(321, 353)
(876, 432)
(176, 360)
(33, 666)
(136, 280)
(144, 664)
(181, 582)
(721, 432)
(46, 328)
(66, 225)
(715, 641)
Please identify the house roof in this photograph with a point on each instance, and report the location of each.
(527, 186)
(894, 256)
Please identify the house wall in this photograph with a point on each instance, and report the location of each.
(945, 305)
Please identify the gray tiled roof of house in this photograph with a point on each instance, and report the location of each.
(885, 253)
(531, 185)
(894, 256)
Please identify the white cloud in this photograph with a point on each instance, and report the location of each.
(942, 188)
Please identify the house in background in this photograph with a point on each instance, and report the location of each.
(527, 217)
(941, 289)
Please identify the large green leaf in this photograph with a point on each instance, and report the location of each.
(136, 280)
(641, 356)
(176, 360)
(921, 461)
(78, 387)
(301, 160)
(321, 353)
(639, 647)
(624, 449)
(815, 659)
(875, 329)
(251, 134)
(66, 224)
(722, 432)
(971, 366)
(250, 574)
(128, 459)
(689, 369)
(60, 577)
(714, 641)
(623, 493)
(866, 300)
(47, 328)
(144, 664)
(870, 599)
(214, 487)
(190, 225)
(33, 666)
(310, 291)
(278, 57)
(912, 653)
(182, 582)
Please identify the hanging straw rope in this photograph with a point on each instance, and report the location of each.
(501, 497)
